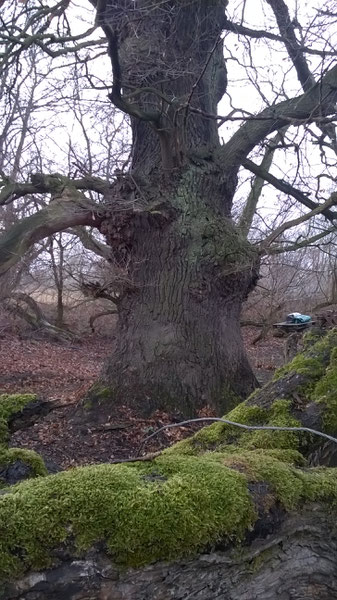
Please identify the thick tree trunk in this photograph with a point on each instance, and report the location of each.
(183, 269)
(178, 340)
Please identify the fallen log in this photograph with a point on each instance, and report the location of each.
(228, 513)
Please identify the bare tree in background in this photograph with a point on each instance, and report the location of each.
(31, 141)
(167, 213)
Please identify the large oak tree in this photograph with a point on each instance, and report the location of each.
(185, 267)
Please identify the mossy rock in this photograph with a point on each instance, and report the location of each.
(16, 463)
(10, 405)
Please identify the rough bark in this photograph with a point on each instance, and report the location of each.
(178, 340)
(297, 562)
(186, 270)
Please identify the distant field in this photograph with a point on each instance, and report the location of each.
(49, 296)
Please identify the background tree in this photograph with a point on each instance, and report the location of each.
(167, 216)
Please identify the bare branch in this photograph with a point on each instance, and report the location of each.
(261, 33)
(288, 189)
(91, 243)
(287, 31)
(249, 210)
(304, 243)
(319, 100)
(99, 315)
(44, 184)
(298, 221)
(70, 210)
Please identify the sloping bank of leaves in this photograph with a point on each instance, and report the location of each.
(215, 488)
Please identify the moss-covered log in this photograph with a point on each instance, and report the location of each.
(225, 514)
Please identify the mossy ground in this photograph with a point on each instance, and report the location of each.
(192, 496)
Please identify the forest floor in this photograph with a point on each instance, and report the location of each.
(62, 373)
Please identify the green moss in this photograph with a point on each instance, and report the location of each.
(291, 457)
(184, 448)
(230, 399)
(325, 392)
(171, 507)
(29, 457)
(139, 516)
(192, 496)
(10, 404)
(310, 338)
(289, 485)
(280, 416)
(313, 361)
(97, 394)
(210, 240)
(304, 365)
(220, 434)
(4, 434)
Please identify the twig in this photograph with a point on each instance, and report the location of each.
(241, 425)
(112, 427)
(144, 458)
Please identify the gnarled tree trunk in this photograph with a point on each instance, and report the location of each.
(186, 270)
(178, 340)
